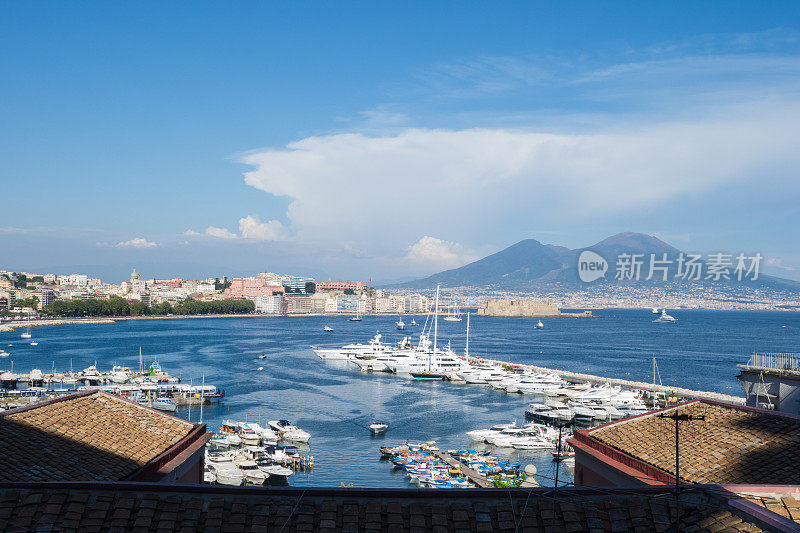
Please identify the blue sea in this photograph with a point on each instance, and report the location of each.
(336, 403)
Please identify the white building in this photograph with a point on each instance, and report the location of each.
(268, 304)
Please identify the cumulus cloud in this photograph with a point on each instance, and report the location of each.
(137, 242)
(378, 190)
(437, 253)
(252, 228)
(191, 233)
(220, 233)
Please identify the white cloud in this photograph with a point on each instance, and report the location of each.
(137, 242)
(252, 228)
(220, 233)
(191, 233)
(777, 262)
(468, 184)
(436, 253)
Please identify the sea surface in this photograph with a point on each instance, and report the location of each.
(336, 403)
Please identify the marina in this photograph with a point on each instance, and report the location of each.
(336, 403)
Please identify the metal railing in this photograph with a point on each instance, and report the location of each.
(776, 361)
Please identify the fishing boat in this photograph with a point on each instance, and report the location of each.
(327, 329)
(377, 428)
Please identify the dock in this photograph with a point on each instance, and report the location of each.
(475, 477)
(628, 384)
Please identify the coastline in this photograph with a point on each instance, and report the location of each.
(11, 326)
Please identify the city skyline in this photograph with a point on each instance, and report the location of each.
(205, 140)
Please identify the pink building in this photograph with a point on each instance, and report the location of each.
(341, 285)
(252, 287)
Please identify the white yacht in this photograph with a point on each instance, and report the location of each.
(665, 318)
(163, 403)
(400, 325)
(289, 432)
(252, 473)
(327, 329)
(228, 474)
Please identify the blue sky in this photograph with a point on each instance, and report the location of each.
(382, 141)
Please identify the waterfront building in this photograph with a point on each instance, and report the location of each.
(298, 304)
(346, 303)
(718, 443)
(269, 304)
(331, 305)
(296, 283)
(341, 285)
(772, 381)
(318, 301)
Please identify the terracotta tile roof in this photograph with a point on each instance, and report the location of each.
(733, 445)
(786, 505)
(94, 436)
(128, 507)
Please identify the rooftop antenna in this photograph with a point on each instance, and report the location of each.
(679, 418)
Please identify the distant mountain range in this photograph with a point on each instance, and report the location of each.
(530, 264)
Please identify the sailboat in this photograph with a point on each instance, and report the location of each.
(539, 325)
(356, 318)
(455, 314)
(27, 334)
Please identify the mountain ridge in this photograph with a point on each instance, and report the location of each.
(530, 263)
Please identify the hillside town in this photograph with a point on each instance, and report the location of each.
(269, 293)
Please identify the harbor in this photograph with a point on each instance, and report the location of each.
(336, 403)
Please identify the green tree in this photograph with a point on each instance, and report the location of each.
(349, 291)
(311, 287)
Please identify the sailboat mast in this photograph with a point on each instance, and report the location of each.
(202, 397)
(436, 319)
(466, 350)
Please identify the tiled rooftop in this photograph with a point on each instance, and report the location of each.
(786, 505)
(733, 445)
(94, 436)
(127, 507)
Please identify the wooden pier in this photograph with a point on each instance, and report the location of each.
(474, 476)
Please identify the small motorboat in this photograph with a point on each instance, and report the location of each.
(262, 356)
(260, 368)
(25, 335)
(400, 324)
(377, 428)
(164, 404)
(327, 329)
(539, 325)
(413, 322)
(34, 343)
(209, 477)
